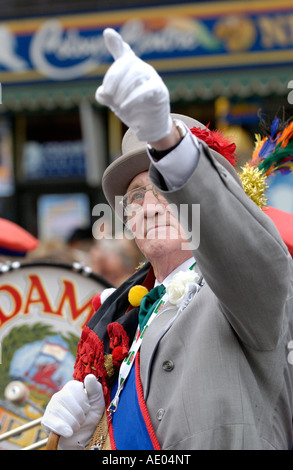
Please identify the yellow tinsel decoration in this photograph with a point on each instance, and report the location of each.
(254, 182)
(135, 295)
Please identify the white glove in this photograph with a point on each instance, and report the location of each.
(74, 412)
(134, 91)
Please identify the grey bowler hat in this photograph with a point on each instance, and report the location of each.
(134, 160)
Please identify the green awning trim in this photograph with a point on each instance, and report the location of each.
(188, 87)
(239, 83)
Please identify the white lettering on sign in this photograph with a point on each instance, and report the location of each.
(51, 39)
(168, 39)
(53, 43)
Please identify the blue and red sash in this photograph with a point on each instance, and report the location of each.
(130, 427)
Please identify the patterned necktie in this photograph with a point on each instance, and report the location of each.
(148, 304)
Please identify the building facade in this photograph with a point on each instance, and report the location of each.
(222, 63)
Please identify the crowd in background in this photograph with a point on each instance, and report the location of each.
(114, 259)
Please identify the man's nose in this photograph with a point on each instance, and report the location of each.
(151, 205)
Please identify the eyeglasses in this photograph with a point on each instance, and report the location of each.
(137, 195)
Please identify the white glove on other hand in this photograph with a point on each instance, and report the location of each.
(74, 412)
(134, 91)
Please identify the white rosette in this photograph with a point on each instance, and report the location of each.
(182, 288)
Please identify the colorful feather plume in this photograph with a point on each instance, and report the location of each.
(272, 153)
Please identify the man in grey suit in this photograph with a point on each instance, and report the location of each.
(214, 368)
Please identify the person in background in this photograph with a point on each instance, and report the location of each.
(115, 259)
(52, 251)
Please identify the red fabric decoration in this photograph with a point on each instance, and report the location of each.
(96, 302)
(15, 238)
(90, 358)
(216, 141)
(118, 354)
(118, 337)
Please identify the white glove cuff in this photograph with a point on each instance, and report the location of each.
(154, 132)
(161, 131)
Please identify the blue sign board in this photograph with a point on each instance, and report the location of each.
(189, 37)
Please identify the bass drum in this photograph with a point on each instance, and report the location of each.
(43, 308)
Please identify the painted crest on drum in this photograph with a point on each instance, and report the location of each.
(42, 311)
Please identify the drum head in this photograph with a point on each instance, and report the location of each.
(43, 307)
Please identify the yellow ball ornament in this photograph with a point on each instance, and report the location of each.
(135, 294)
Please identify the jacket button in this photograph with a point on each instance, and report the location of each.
(160, 414)
(168, 365)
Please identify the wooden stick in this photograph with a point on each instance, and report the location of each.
(53, 440)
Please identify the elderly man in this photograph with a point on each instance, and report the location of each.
(208, 366)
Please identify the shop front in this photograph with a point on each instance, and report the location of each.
(221, 61)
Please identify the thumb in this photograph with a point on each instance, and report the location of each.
(93, 388)
(115, 44)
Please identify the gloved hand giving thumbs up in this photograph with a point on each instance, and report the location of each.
(134, 91)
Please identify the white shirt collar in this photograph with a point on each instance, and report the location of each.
(182, 267)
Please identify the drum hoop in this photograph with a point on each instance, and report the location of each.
(74, 267)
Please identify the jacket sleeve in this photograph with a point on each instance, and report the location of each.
(240, 251)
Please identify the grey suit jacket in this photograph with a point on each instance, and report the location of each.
(219, 375)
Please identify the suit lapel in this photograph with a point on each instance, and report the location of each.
(153, 336)
(155, 332)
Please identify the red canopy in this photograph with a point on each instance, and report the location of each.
(15, 238)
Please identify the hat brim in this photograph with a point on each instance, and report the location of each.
(121, 172)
